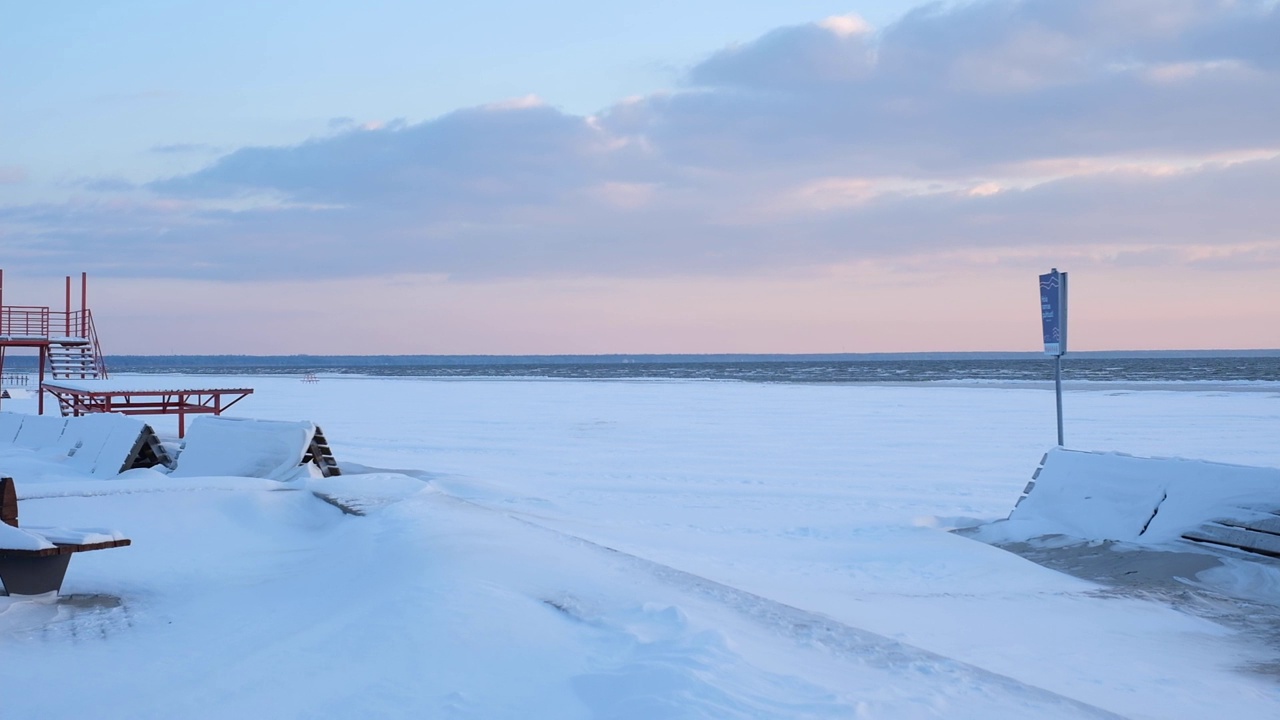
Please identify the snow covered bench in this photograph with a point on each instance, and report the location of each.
(33, 561)
(1148, 501)
(240, 447)
(101, 444)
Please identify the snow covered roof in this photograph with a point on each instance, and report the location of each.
(136, 383)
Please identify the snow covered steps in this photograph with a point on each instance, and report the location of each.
(72, 360)
(318, 453)
(1150, 501)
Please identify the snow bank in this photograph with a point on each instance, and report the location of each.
(1147, 501)
(239, 447)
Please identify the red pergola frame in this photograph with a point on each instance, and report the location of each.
(147, 402)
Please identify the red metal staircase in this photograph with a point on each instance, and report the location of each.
(66, 340)
(69, 339)
(76, 354)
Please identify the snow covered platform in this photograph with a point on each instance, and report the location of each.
(135, 396)
(270, 449)
(1159, 502)
(101, 445)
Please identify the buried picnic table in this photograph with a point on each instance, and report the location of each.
(33, 561)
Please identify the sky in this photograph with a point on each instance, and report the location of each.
(596, 177)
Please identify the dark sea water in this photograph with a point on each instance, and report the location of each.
(1260, 366)
(1250, 366)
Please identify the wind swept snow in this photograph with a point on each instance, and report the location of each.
(613, 549)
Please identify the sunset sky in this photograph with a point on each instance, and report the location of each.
(603, 177)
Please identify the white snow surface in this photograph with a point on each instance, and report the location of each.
(12, 538)
(74, 536)
(150, 383)
(643, 549)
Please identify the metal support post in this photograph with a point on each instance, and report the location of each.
(84, 304)
(1057, 387)
(44, 358)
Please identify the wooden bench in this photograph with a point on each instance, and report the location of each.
(35, 572)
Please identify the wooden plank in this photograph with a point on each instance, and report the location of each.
(8, 502)
(8, 553)
(1262, 543)
(84, 547)
(66, 549)
(318, 451)
(1269, 525)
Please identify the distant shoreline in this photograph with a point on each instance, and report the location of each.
(1137, 366)
(377, 360)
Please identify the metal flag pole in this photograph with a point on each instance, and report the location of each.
(1057, 388)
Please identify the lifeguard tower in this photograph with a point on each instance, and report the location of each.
(71, 366)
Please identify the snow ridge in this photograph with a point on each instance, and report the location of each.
(808, 628)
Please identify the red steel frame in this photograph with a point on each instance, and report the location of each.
(35, 326)
(182, 403)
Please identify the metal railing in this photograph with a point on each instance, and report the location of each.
(76, 324)
(90, 332)
(40, 323)
(24, 321)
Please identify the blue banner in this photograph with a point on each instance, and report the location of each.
(1053, 311)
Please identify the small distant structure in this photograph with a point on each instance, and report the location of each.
(15, 379)
(71, 359)
(310, 378)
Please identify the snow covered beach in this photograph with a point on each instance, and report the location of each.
(633, 549)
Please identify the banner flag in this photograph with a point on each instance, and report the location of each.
(1053, 311)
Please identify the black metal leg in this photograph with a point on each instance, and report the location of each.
(33, 576)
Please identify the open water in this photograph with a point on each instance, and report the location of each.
(1258, 367)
